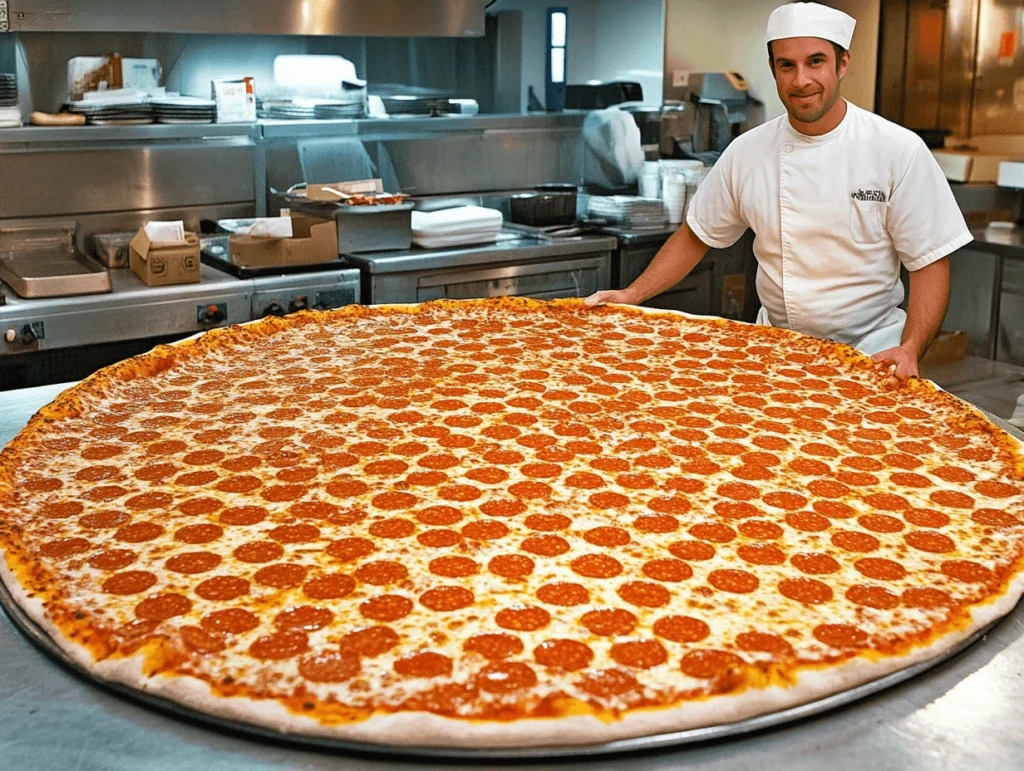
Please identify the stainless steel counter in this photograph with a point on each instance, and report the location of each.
(482, 254)
(968, 713)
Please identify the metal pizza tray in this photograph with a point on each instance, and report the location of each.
(43, 641)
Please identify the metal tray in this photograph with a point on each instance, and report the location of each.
(643, 743)
(42, 261)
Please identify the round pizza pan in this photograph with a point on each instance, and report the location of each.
(642, 743)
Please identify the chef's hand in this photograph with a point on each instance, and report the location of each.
(900, 361)
(609, 296)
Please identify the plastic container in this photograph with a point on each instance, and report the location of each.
(543, 209)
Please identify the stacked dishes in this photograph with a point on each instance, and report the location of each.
(627, 211)
(119, 113)
(299, 108)
(677, 187)
(334, 109)
(184, 109)
(10, 115)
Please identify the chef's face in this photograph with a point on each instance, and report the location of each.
(807, 76)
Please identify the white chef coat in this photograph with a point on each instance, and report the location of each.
(834, 216)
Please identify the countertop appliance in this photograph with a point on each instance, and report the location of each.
(718, 104)
(597, 96)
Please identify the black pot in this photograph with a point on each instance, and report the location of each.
(543, 209)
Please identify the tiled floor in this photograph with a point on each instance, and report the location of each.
(990, 385)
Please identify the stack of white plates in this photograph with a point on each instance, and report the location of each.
(458, 226)
(10, 115)
(628, 211)
(184, 109)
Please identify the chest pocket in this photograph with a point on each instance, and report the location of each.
(867, 221)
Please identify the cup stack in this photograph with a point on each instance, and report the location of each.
(650, 180)
(10, 114)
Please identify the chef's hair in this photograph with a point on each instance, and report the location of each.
(835, 47)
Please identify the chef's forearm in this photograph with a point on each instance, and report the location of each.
(929, 295)
(670, 265)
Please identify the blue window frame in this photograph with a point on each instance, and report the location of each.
(555, 67)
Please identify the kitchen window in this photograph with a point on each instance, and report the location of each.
(558, 29)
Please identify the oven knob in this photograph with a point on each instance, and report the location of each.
(298, 304)
(28, 335)
(11, 335)
(273, 310)
(212, 314)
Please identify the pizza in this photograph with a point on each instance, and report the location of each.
(506, 522)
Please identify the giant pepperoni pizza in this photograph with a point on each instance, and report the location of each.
(506, 522)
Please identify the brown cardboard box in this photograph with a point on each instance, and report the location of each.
(947, 347)
(159, 263)
(314, 240)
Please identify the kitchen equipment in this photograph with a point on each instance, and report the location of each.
(10, 115)
(718, 102)
(360, 228)
(628, 211)
(42, 261)
(597, 96)
(550, 205)
(457, 226)
(184, 109)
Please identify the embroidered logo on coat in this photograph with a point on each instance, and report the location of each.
(870, 195)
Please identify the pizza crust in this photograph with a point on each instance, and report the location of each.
(426, 729)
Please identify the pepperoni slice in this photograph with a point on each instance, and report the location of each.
(760, 530)
(523, 618)
(437, 539)
(511, 565)
(563, 593)
(762, 642)
(64, 547)
(386, 607)
(952, 499)
(259, 551)
(381, 573)
(712, 531)
(392, 528)
(880, 523)
(967, 571)
(113, 559)
(447, 598)
(505, 677)
(279, 646)
(806, 590)
(807, 521)
(930, 541)
(644, 594)
(370, 642)
(194, 562)
(953, 474)
(161, 607)
(129, 582)
(639, 654)
(608, 500)
(736, 509)
(987, 517)
(425, 664)
(873, 597)
(609, 622)
(454, 567)
(607, 536)
(280, 576)
(880, 569)
(547, 522)
(605, 683)
(329, 667)
(229, 621)
(785, 500)
(305, 618)
(827, 488)
(711, 664)
(834, 509)
(694, 551)
(851, 540)
(494, 647)
(567, 655)
(545, 545)
(667, 570)
(995, 489)
(814, 564)
(739, 491)
(761, 554)
(841, 635)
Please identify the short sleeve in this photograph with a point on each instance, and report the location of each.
(714, 214)
(924, 221)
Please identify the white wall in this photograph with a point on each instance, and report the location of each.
(629, 44)
(710, 35)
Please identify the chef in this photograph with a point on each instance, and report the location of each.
(838, 198)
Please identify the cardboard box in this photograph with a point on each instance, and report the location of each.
(947, 347)
(158, 263)
(314, 240)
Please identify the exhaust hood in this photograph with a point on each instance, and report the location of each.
(357, 18)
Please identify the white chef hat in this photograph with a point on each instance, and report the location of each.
(811, 20)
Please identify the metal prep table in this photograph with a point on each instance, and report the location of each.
(569, 267)
(1004, 245)
(965, 713)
